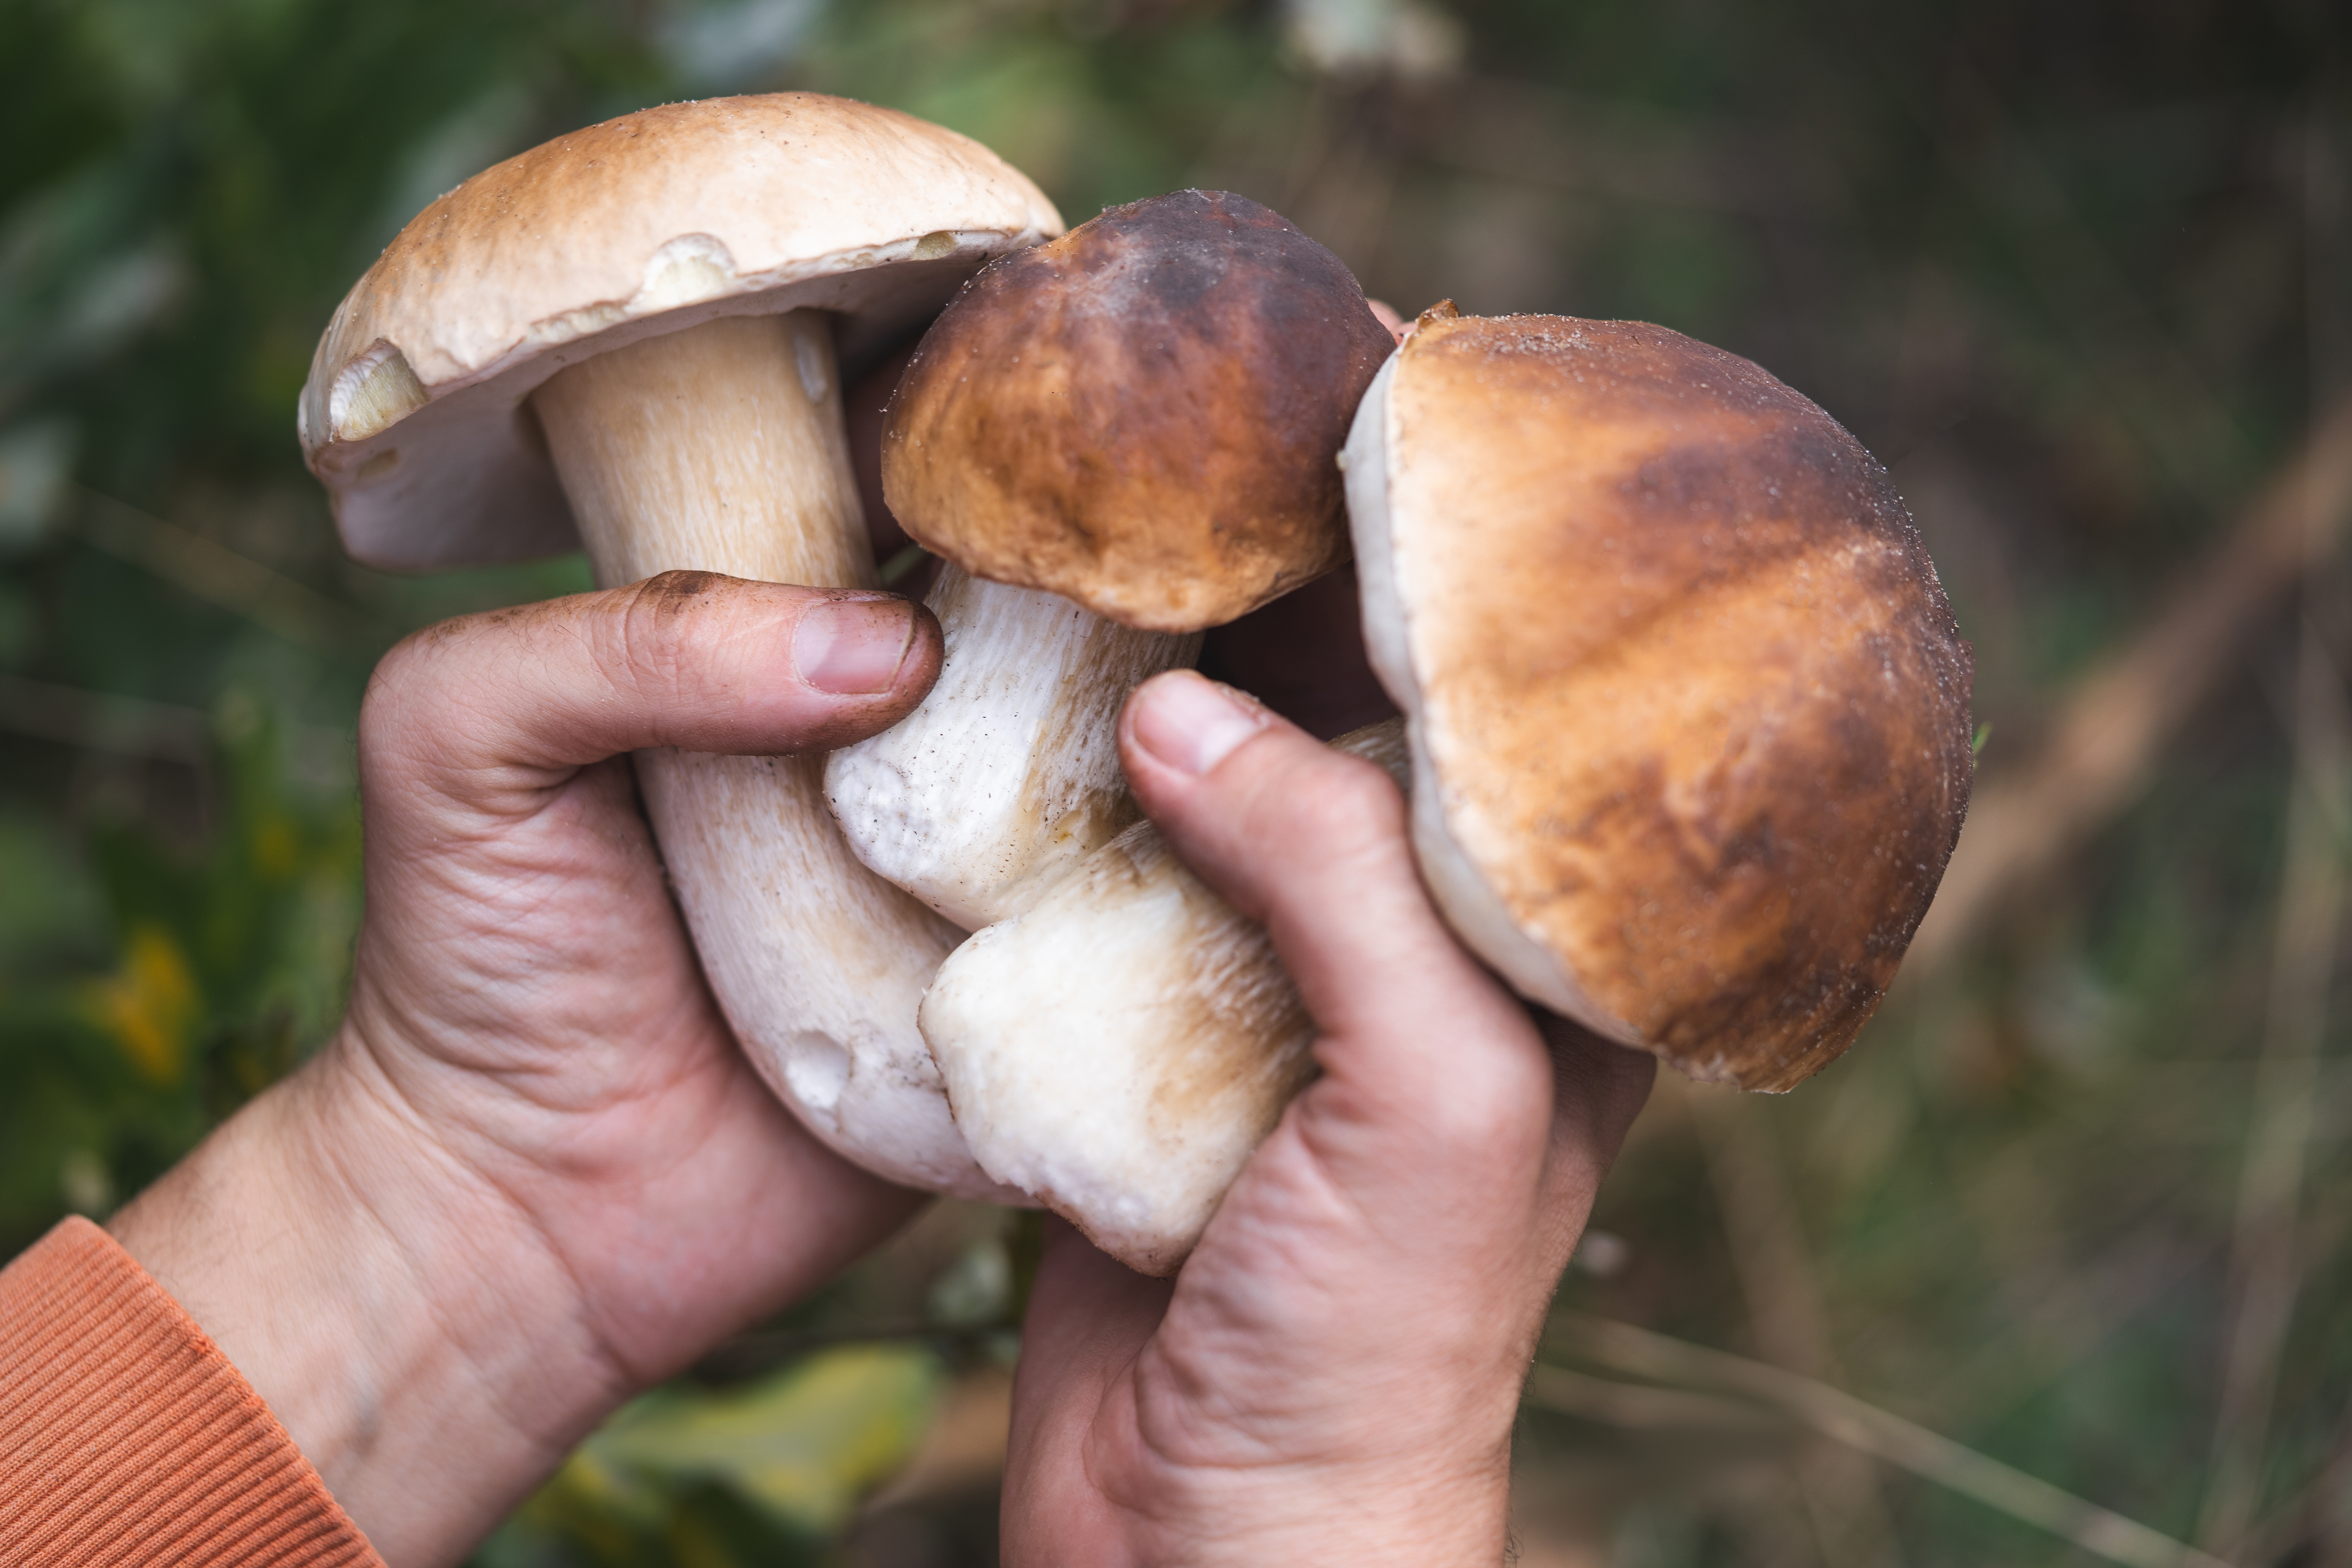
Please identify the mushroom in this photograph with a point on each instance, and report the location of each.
(627, 339)
(1120, 1047)
(1116, 439)
(1689, 747)
(1689, 710)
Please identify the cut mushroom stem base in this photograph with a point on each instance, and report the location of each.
(720, 449)
(1120, 1049)
(1007, 775)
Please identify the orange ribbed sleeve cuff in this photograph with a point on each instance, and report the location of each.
(127, 1438)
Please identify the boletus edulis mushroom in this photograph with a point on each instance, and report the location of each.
(633, 338)
(1689, 739)
(1116, 439)
(1688, 708)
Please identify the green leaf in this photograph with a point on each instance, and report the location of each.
(803, 1446)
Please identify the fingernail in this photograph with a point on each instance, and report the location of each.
(1192, 723)
(854, 647)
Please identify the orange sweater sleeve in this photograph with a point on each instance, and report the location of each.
(127, 1438)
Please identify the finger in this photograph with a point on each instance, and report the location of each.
(1599, 1088)
(1088, 1319)
(695, 660)
(1313, 843)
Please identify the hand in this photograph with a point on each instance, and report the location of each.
(533, 1174)
(1333, 1376)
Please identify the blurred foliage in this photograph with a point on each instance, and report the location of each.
(765, 1474)
(2079, 274)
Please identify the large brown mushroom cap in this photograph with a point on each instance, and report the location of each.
(1692, 701)
(657, 221)
(1142, 415)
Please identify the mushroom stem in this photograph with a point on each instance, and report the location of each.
(1120, 1049)
(1007, 774)
(720, 449)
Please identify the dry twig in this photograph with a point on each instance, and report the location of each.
(2123, 712)
(1833, 1414)
(215, 572)
(2265, 1260)
(1769, 1252)
(99, 721)
(2266, 1253)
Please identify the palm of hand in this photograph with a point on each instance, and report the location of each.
(528, 999)
(1327, 1380)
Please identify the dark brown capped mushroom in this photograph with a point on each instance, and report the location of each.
(1116, 439)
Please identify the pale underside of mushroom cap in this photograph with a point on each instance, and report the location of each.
(1689, 709)
(415, 414)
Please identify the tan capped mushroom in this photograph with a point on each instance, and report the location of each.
(1689, 710)
(633, 338)
(1116, 439)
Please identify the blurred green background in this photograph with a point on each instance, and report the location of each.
(2081, 274)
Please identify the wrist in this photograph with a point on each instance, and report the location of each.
(403, 1321)
(1369, 1522)
(1415, 1513)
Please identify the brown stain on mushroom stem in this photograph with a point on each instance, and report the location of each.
(1230, 1035)
(1233, 1039)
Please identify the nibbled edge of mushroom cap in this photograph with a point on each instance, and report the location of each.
(413, 416)
(1690, 713)
(1141, 416)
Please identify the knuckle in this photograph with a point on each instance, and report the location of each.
(389, 707)
(1323, 832)
(1343, 802)
(650, 630)
(1493, 1102)
(424, 698)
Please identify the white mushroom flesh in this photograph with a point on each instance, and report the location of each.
(1120, 1048)
(1007, 774)
(722, 448)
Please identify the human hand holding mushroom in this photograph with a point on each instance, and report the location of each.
(534, 1172)
(1748, 743)
(629, 339)
(1334, 1375)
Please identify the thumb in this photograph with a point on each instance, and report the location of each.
(1313, 844)
(1436, 1090)
(518, 699)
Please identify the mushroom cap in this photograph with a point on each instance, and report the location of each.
(415, 415)
(1142, 415)
(1690, 708)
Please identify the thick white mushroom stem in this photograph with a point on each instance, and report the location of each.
(1007, 774)
(1120, 1049)
(720, 449)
